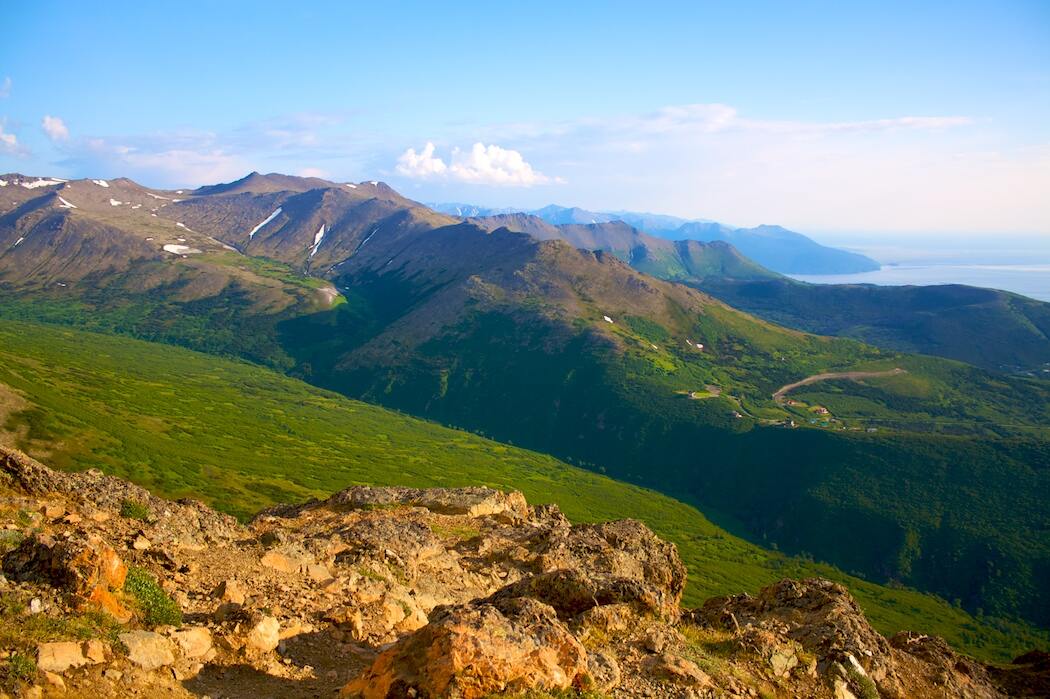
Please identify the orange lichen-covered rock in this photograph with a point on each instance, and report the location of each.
(475, 650)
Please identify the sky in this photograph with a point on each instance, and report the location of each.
(878, 117)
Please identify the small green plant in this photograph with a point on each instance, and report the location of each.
(18, 669)
(459, 532)
(10, 540)
(154, 604)
(370, 574)
(21, 632)
(133, 509)
(863, 683)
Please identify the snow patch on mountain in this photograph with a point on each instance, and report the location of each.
(41, 183)
(269, 218)
(181, 250)
(318, 237)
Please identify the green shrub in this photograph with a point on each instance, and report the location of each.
(133, 509)
(863, 683)
(153, 604)
(18, 669)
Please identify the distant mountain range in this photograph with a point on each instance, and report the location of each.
(773, 247)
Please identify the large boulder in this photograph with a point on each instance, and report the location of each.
(147, 649)
(624, 558)
(265, 634)
(476, 650)
(59, 656)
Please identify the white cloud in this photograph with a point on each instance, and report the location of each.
(489, 165)
(313, 172)
(420, 165)
(5, 88)
(494, 165)
(55, 128)
(8, 142)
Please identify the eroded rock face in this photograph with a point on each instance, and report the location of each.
(78, 564)
(81, 564)
(476, 650)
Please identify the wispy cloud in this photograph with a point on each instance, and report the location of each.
(5, 87)
(487, 165)
(162, 160)
(194, 157)
(55, 128)
(713, 118)
(9, 144)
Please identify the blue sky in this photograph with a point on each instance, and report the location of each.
(879, 116)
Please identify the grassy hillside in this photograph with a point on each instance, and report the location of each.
(240, 437)
(985, 327)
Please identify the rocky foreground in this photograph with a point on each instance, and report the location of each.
(109, 591)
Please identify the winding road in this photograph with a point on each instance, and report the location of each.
(851, 375)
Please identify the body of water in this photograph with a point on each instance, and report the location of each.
(1031, 280)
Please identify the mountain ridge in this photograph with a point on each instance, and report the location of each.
(774, 247)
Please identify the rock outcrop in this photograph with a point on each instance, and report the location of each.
(380, 593)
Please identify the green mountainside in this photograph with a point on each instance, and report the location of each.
(940, 469)
(242, 437)
(985, 327)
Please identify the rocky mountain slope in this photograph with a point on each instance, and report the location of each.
(109, 591)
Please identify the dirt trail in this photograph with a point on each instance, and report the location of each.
(851, 375)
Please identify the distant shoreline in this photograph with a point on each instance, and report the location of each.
(1032, 280)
